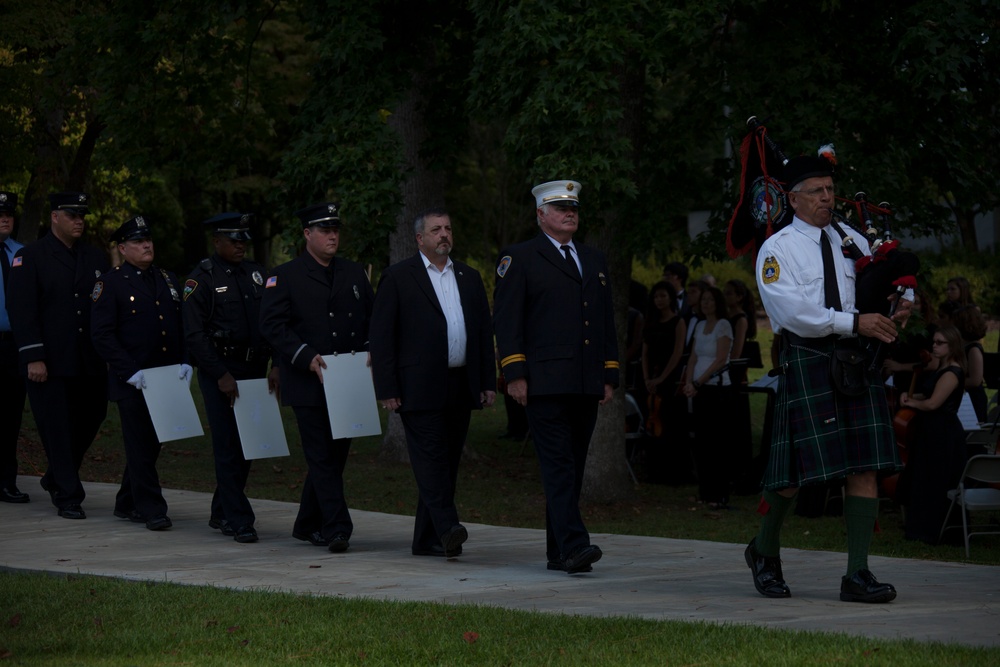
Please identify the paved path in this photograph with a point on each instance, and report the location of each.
(651, 577)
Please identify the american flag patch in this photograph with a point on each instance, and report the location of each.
(17, 262)
(271, 282)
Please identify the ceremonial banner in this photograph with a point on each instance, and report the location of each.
(350, 396)
(258, 419)
(170, 404)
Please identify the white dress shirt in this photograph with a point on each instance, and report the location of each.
(446, 288)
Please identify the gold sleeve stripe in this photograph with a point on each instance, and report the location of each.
(512, 359)
(610, 364)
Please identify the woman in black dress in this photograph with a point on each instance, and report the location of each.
(662, 348)
(937, 454)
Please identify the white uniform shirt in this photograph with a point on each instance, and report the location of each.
(446, 288)
(790, 280)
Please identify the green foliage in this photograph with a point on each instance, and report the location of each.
(981, 270)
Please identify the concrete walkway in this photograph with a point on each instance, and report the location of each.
(651, 577)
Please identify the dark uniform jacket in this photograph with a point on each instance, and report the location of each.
(308, 310)
(222, 318)
(136, 326)
(409, 337)
(49, 305)
(552, 327)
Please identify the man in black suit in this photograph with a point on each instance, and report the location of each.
(316, 305)
(51, 281)
(432, 360)
(137, 324)
(555, 330)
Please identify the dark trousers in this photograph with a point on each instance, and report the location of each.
(11, 411)
(435, 439)
(561, 427)
(229, 501)
(322, 506)
(68, 412)
(140, 487)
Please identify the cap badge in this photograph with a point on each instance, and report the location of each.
(257, 278)
(139, 222)
(569, 187)
(245, 219)
(82, 199)
(3, 196)
(332, 208)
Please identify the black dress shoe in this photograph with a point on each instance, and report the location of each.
(581, 558)
(315, 538)
(159, 523)
(560, 567)
(72, 512)
(10, 494)
(132, 516)
(454, 538)
(767, 577)
(223, 525)
(437, 550)
(339, 543)
(862, 586)
(245, 534)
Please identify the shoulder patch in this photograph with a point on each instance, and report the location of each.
(504, 265)
(17, 262)
(98, 290)
(271, 282)
(189, 287)
(770, 272)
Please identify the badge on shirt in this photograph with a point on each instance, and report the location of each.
(357, 293)
(257, 278)
(222, 290)
(770, 271)
(503, 265)
(272, 281)
(603, 278)
(189, 287)
(98, 290)
(97, 273)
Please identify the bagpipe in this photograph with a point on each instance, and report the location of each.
(763, 209)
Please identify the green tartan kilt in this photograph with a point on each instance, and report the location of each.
(820, 434)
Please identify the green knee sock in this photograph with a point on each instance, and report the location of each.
(769, 537)
(860, 515)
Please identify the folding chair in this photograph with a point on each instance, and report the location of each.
(635, 429)
(984, 469)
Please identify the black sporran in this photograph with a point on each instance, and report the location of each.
(847, 370)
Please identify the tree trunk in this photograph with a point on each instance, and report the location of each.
(607, 478)
(421, 188)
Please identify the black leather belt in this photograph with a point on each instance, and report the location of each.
(244, 353)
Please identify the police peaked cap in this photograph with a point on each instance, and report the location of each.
(8, 202)
(323, 215)
(233, 225)
(131, 230)
(70, 201)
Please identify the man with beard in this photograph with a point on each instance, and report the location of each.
(432, 361)
(51, 281)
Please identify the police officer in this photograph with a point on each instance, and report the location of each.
(555, 332)
(49, 306)
(137, 324)
(221, 328)
(316, 305)
(12, 405)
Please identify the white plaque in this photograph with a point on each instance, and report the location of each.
(258, 418)
(170, 404)
(350, 396)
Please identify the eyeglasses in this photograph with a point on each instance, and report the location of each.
(940, 342)
(815, 192)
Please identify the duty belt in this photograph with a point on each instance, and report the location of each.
(244, 353)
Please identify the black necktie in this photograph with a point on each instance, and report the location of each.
(569, 258)
(830, 290)
(5, 263)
